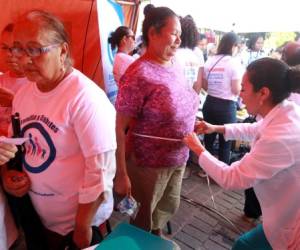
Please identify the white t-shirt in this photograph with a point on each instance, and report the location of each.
(66, 127)
(199, 54)
(190, 63)
(222, 74)
(250, 56)
(121, 63)
(12, 84)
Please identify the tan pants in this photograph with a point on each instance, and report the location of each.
(158, 192)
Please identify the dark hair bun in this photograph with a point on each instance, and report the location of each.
(293, 78)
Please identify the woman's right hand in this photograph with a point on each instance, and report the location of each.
(7, 151)
(202, 127)
(122, 185)
(15, 183)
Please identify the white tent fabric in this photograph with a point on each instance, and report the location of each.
(239, 15)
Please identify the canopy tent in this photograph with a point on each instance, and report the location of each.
(81, 20)
(239, 16)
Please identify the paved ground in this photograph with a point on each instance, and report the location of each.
(196, 227)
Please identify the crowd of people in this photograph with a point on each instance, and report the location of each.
(79, 147)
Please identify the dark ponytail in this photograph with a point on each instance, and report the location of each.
(276, 75)
(293, 79)
(116, 36)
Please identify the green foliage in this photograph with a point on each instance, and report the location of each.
(277, 39)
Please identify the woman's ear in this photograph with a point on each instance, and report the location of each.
(152, 33)
(265, 94)
(123, 40)
(64, 52)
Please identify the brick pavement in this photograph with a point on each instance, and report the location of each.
(197, 227)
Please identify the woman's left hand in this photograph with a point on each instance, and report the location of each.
(193, 142)
(82, 236)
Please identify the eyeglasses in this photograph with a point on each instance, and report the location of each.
(6, 48)
(32, 51)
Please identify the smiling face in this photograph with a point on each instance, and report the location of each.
(46, 68)
(130, 40)
(259, 44)
(163, 44)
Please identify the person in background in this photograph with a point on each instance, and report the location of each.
(69, 158)
(155, 108)
(11, 80)
(291, 55)
(8, 231)
(200, 49)
(255, 50)
(222, 81)
(185, 55)
(211, 50)
(272, 166)
(124, 40)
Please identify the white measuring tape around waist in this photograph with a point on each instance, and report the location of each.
(157, 137)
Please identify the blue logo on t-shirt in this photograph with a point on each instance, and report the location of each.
(40, 151)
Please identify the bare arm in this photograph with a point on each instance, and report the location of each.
(236, 86)
(85, 213)
(122, 183)
(204, 84)
(198, 84)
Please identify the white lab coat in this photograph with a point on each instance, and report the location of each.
(272, 167)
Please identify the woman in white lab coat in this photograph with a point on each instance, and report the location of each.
(272, 166)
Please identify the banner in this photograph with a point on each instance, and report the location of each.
(110, 16)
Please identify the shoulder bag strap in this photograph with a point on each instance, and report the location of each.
(214, 66)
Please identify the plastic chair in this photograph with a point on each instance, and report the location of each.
(129, 237)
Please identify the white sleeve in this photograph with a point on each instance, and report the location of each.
(266, 159)
(241, 131)
(121, 65)
(98, 176)
(93, 119)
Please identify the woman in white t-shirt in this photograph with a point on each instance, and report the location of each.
(189, 60)
(255, 50)
(69, 157)
(222, 81)
(124, 40)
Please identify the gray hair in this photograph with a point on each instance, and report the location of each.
(51, 24)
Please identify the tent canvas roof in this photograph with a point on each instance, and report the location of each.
(239, 15)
